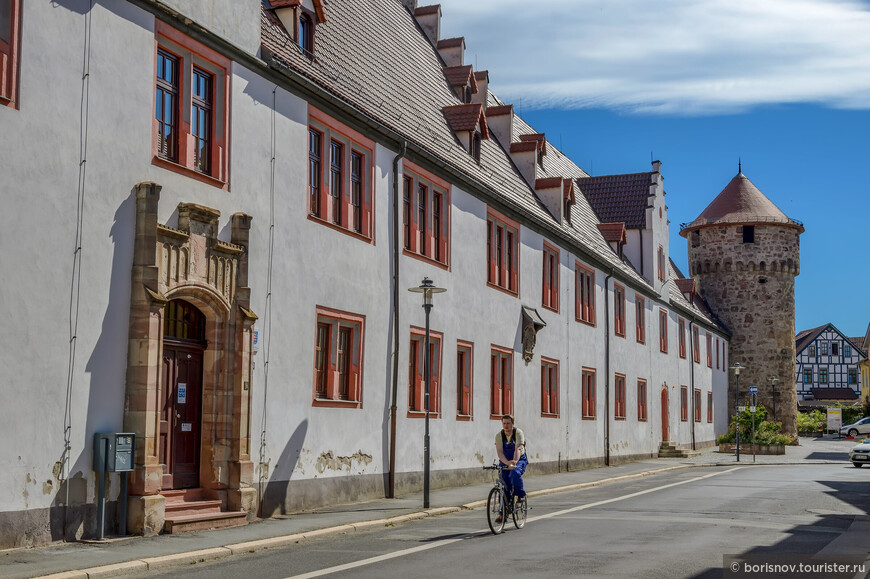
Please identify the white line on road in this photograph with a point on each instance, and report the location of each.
(444, 542)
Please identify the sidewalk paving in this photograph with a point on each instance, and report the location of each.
(136, 554)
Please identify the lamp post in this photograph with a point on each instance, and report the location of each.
(737, 367)
(773, 380)
(427, 288)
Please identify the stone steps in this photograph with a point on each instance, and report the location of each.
(187, 510)
(669, 450)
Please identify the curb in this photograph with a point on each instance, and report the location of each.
(205, 555)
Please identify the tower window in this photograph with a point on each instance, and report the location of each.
(748, 234)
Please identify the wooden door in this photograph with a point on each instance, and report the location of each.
(180, 418)
(665, 416)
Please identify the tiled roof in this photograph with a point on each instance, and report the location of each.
(834, 394)
(467, 117)
(613, 232)
(619, 197)
(687, 286)
(803, 339)
(539, 138)
(740, 202)
(859, 343)
(548, 183)
(694, 304)
(495, 111)
(373, 57)
(524, 147)
(460, 76)
(451, 42)
(431, 9)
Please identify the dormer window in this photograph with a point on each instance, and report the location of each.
(541, 157)
(475, 147)
(305, 37)
(468, 93)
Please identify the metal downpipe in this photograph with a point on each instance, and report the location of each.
(391, 481)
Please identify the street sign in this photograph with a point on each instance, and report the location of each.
(741, 408)
(753, 389)
(752, 409)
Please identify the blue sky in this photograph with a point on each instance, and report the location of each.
(782, 84)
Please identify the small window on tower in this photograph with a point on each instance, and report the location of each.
(748, 234)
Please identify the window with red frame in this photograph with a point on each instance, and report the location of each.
(425, 220)
(661, 260)
(682, 337)
(502, 247)
(191, 112)
(10, 27)
(709, 350)
(663, 331)
(549, 387)
(696, 345)
(717, 353)
(464, 379)
(684, 403)
(338, 354)
(697, 401)
(709, 407)
(550, 298)
(640, 318)
(417, 373)
(501, 382)
(619, 310)
(641, 400)
(619, 397)
(585, 295)
(588, 393)
(339, 176)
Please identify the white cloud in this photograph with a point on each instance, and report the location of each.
(668, 56)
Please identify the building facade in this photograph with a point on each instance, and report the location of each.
(236, 198)
(744, 254)
(828, 365)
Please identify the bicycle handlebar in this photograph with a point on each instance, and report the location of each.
(496, 467)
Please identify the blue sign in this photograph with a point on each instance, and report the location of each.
(753, 389)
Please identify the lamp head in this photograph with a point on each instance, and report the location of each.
(427, 288)
(737, 367)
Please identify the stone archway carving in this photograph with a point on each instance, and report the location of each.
(191, 263)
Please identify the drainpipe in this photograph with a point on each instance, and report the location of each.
(607, 372)
(391, 484)
(642, 272)
(692, 374)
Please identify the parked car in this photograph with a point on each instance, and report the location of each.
(860, 427)
(860, 453)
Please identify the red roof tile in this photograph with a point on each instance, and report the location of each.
(618, 197)
(460, 76)
(834, 394)
(548, 183)
(284, 3)
(524, 146)
(431, 9)
(740, 202)
(613, 232)
(482, 75)
(451, 42)
(687, 286)
(538, 138)
(568, 193)
(499, 110)
(467, 118)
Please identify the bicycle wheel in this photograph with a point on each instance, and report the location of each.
(495, 510)
(521, 508)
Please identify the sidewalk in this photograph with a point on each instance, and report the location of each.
(136, 554)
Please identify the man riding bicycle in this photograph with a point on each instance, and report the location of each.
(510, 444)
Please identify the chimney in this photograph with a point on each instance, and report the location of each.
(452, 51)
(482, 78)
(500, 120)
(429, 19)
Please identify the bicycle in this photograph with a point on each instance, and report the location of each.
(497, 507)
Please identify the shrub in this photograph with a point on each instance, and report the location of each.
(811, 423)
(765, 432)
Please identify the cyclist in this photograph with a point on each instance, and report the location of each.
(510, 444)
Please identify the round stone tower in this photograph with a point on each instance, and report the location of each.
(744, 254)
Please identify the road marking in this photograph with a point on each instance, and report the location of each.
(445, 542)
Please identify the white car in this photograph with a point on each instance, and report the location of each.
(860, 453)
(860, 427)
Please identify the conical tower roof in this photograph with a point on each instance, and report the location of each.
(740, 202)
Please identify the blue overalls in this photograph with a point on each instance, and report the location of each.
(513, 479)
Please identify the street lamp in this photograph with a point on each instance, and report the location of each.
(737, 367)
(427, 288)
(773, 380)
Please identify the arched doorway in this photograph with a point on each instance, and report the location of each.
(665, 415)
(181, 394)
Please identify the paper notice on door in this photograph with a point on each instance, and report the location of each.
(186, 427)
(182, 393)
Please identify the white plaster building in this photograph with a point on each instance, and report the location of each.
(218, 210)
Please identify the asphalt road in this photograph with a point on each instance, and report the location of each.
(676, 524)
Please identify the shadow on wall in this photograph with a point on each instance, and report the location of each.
(273, 499)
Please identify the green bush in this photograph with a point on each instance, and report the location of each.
(811, 423)
(765, 432)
